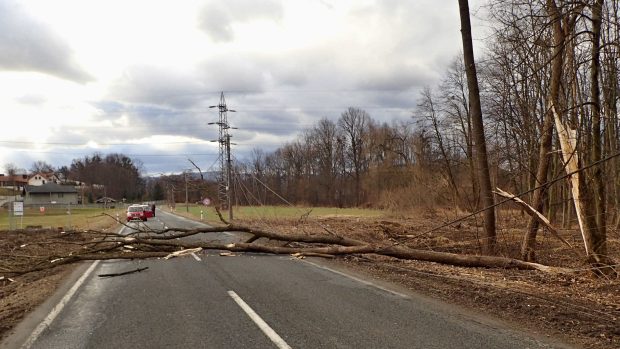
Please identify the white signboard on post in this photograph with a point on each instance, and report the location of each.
(18, 208)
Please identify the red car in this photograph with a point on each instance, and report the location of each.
(147, 211)
(136, 212)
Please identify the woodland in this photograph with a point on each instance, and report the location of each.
(541, 124)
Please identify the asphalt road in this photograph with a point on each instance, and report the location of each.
(252, 301)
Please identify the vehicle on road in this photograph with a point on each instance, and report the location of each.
(136, 212)
(148, 213)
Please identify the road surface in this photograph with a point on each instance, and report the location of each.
(248, 301)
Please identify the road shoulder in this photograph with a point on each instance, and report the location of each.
(22, 331)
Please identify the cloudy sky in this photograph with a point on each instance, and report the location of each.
(137, 76)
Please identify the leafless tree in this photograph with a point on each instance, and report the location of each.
(478, 130)
(354, 124)
(41, 166)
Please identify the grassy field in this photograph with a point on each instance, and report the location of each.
(80, 218)
(274, 212)
(7, 191)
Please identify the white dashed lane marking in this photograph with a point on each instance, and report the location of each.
(267, 330)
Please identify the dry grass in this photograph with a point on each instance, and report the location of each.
(80, 218)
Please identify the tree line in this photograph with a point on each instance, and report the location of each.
(548, 92)
(113, 175)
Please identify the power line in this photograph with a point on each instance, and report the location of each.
(101, 144)
(128, 154)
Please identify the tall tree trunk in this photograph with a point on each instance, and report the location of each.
(557, 61)
(611, 109)
(598, 231)
(486, 193)
(528, 248)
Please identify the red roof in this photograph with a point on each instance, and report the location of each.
(16, 178)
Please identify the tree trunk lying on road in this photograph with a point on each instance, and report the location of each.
(167, 243)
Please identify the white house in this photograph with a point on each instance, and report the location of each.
(38, 179)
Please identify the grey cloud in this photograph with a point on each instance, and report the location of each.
(31, 99)
(291, 76)
(297, 68)
(143, 122)
(109, 107)
(395, 77)
(28, 45)
(216, 22)
(233, 73)
(186, 89)
(275, 123)
(74, 140)
(148, 120)
(217, 17)
(157, 86)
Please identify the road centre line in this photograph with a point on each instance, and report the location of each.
(268, 331)
(58, 308)
(195, 257)
(368, 283)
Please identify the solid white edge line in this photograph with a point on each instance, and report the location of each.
(268, 331)
(358, 279)
(58, 308)
(195, 257)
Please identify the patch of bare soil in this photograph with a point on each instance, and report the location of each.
(21, 294)
(24, 294)
(577, 308)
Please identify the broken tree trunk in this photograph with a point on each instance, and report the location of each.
(534, 214)
(595, 245)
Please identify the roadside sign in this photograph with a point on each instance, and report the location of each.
(206, 201)
(18, 208)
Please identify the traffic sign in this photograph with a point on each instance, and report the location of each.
(206, 201)
(18, 208)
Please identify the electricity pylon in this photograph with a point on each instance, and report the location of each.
(225, 182)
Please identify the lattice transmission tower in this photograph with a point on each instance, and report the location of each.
(225, 182)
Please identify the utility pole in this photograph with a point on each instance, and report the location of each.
(186, 194)
(225, 182)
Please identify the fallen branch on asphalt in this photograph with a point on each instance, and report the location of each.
(137, 270)
(170, 242)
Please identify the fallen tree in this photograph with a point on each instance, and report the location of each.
(170, 242)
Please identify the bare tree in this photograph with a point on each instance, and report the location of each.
(324, 141)
(478, 130)
(599, 235)
(41, 166)
(427, 106)
(354, 124)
